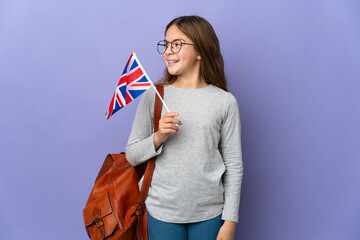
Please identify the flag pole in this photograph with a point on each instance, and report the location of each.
(152, 84)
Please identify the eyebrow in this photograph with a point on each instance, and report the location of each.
(176, 39)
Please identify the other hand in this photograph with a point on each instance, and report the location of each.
(227, 231)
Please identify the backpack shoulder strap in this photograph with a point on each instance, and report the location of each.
(151, 163)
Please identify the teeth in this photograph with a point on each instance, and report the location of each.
(174, 61)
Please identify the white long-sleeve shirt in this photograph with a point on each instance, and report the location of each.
(192, 181)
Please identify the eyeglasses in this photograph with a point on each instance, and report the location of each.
(175, 46)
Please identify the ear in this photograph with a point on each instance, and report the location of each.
(198, 57)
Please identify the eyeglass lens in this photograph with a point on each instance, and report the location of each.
(163, 45)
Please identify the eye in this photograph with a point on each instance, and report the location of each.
(177, 43)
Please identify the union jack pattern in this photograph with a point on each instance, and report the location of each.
(133, 82)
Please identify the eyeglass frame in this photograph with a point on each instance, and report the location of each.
(171, 44)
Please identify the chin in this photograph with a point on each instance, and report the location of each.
(172, 72)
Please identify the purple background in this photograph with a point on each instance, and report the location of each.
(294, 67)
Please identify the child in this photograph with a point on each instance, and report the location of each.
(195, 188)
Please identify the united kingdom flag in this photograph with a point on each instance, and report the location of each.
(133, 82)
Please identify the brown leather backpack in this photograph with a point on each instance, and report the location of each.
(116, 208)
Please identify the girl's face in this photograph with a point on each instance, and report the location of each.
(186, 62)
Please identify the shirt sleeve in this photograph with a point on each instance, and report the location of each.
(140, 146)
(230, 138)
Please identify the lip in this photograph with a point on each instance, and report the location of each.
(172, 62)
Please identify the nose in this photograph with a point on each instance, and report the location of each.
(168, 50)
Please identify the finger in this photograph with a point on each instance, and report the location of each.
(172, 120)
(219, 235)
(168, 130)
(171, 114)
(170, 126)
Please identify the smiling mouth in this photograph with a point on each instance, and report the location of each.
(173, 61)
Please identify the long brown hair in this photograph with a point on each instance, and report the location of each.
(207, 45)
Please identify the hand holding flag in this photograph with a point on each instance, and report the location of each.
(133, 82)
